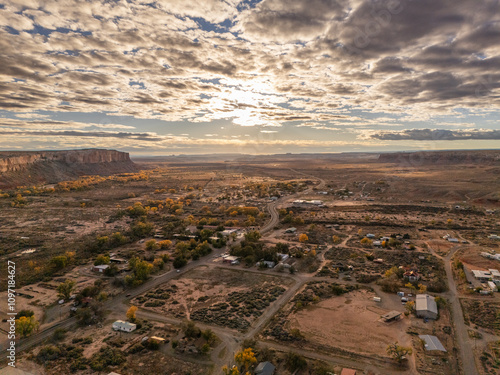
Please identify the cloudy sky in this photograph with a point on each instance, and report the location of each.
(249, 76)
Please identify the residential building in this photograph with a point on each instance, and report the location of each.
(101, 268)
(412, 276)
(482, 276)
(120, 325)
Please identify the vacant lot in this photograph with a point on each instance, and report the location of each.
(231, 298)
(349, 322)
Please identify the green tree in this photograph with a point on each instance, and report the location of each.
(64, 289)
(101, 259)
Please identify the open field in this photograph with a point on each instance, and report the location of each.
(349, 322)
(216, 296)
(309, 290)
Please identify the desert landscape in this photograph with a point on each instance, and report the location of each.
(302, 261)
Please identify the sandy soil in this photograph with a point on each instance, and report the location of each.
(349, 322)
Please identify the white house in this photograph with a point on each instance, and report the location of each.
(120, 325)
(101, 268)
(426, 306)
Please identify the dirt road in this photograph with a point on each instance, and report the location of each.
(461, 330)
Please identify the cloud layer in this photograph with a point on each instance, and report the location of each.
(317, 65)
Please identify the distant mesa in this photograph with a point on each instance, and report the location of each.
(36, 167)
(414, 159)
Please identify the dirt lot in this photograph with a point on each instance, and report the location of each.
(349, 322)
(232, 298)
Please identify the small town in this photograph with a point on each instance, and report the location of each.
(246, 267)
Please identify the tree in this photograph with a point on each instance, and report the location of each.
(303, 238)
(366, 242)
(209, 336)
(190, 329)
(131, 313)
(101, 259)
(411, 287)
(409, 306)
(230, 371)
(397, 351)
(26, 325)
(252, 236)
(336, 239)
(422, 288)
(64, 289)
(151, 245)
(142, 269)
(165, 244)
(295, 362)
(59, 262)
(245, 358)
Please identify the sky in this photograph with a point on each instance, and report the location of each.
(249, 76)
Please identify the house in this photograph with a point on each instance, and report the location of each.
(348, 371)
(370, 235)
(482, 276)
(494, 237)
(377, 243)
(291, 230)
(101, 268)
(494, 273)
(265, 368)
(426, 307)
(432, 343)
(454, 240)
(120, 325)
(391, 316)
(412, 276)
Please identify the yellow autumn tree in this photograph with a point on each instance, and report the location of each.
(245, 358)
(25, 325)
(303, 238)
(131, 313)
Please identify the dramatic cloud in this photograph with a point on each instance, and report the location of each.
(320, 70)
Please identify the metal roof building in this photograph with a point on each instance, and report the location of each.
(432, 343)
(426, 306)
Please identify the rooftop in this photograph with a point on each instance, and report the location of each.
(432, 343)
(425, 302)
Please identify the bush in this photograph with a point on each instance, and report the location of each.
(48, 353)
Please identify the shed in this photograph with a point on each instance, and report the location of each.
(426, 306)
(492, 286)
(265, 368)
(100, 268)
(391, 316)
(159, 340)
(432, 343)
(120, 325)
